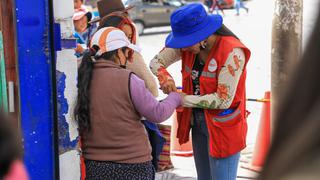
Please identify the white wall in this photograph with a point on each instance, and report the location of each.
(67, 64)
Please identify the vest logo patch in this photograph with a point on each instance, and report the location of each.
(212, 65)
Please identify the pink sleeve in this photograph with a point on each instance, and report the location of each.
(17, 172)
(148, 106)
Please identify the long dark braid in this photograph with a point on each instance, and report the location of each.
(85, 71)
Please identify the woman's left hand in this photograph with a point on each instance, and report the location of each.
(168, 86)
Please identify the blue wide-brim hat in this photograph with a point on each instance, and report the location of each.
(190, 25)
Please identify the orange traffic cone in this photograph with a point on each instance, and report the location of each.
(264, 135)
(263, 138)
(176, 148)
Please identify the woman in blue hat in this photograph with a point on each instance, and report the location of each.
(213, 74)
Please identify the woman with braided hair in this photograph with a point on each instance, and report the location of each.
(111, 101)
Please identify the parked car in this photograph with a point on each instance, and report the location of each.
(152, 13)
(225, 4)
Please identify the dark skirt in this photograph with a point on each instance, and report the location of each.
(104, 170)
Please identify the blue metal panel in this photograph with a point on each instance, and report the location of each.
(65, 144)
(35, 80)
(57, 36)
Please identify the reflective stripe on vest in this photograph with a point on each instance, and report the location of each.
(187, 69)
(204, 73)
(235, 114)
(208, 74)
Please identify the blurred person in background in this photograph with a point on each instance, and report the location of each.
(294, 153)
(111, 101)
(213, 74)
(106, 7)
(79, 4)
(11, 165)
(215, 5)
(239, 4)
(83, 29)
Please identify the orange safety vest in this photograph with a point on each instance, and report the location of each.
(227, 134)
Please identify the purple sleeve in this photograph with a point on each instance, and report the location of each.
(146, 104)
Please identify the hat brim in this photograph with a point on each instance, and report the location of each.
(87, 14)
(97, 19)
(213, 23)
(134, 47)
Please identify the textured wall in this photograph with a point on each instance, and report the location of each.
(66, 76)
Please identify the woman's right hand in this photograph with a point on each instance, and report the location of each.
(168, 86)
(79, 49)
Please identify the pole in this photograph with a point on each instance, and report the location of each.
(286, 45)
(35, 58)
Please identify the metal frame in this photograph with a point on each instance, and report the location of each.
(36, 66)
